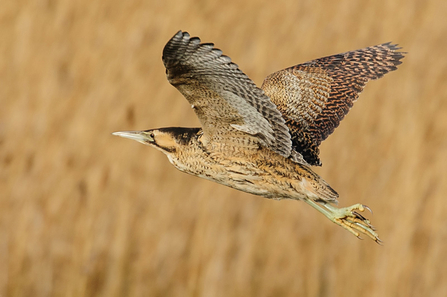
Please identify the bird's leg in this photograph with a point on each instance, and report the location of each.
(347, 217)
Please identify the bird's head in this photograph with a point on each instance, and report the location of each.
(167, 140)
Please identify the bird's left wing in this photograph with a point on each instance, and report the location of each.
(227, 102)
(315, 96)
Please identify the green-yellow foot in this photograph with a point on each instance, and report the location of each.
(349, 218)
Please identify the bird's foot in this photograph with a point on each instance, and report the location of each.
(351, 219)
(348, 217)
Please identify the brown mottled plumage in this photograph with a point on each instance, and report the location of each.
(262, 141)
(315, 96)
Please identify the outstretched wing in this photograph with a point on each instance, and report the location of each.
(315, 96)
(228, 104)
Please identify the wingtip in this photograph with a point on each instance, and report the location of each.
(394, 47)
(181, 34)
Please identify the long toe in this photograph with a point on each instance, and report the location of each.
(348, 217)
(351, 219)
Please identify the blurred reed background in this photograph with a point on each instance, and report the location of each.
(84, 213)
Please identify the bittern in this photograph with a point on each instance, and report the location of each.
(264, 140)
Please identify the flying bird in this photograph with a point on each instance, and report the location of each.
(264, 140)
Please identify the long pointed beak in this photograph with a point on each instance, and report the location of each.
(139, 136)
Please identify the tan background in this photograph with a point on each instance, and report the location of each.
(84, 213)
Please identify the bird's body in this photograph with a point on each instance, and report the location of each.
(258, 171)
(263, 141)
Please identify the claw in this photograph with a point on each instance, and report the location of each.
(369, 209)
(362, 220)
(359, 216)
(351, 219)
(348, 218)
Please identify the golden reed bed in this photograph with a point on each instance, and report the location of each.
(83, 213)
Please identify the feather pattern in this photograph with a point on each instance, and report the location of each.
(291, 114)
(228, 104)
(315, 96)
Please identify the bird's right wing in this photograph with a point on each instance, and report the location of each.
(315, 96)
(231, 109)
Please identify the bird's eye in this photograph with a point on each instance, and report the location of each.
(151, 135)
